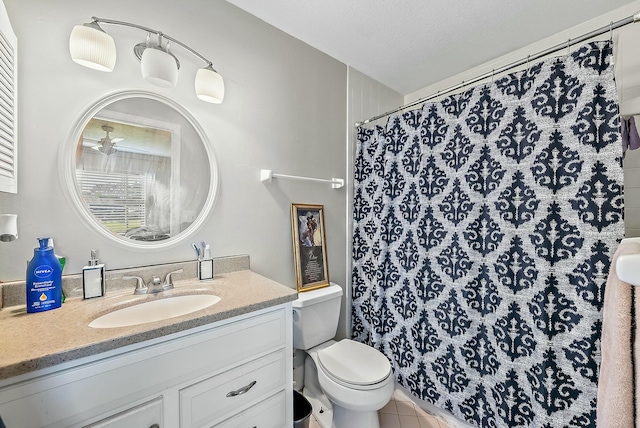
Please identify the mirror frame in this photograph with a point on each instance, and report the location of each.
(67, 170)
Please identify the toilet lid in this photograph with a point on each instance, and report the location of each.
(354, 363)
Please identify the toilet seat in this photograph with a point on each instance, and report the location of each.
(354, 365)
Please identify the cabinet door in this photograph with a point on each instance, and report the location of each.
(145, 415)
(271, 413)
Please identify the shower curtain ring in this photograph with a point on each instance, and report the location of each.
(528, 65)
(611, 31)
(569, 46)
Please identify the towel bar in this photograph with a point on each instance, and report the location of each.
(266, 175)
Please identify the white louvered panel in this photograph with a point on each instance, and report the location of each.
(6, 85)
(6, 148)
(6, 136)
(6, 94)
(6, 168)
(6, 71)
(7, 156)
(7, 53)
(8, 111)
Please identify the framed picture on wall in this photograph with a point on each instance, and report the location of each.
(309, 247)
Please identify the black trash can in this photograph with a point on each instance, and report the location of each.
(301, 410)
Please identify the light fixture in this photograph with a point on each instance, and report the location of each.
(159, 66)
(209, 85)
(90, 46)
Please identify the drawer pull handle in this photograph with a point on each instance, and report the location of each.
(155, 426)
(242, 390)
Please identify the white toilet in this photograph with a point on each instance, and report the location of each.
(346, 378)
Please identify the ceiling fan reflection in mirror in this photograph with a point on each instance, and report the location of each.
(107, 145)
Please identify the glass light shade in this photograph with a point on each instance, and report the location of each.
(209, 85)
(92, 47)
(159, 67)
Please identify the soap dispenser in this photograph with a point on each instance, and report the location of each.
(93, 281)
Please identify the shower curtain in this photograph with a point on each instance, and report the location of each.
(484, 226)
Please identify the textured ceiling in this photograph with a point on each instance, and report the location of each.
(410, 44)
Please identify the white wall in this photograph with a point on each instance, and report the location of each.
(628, 82)
(631, 166)
(367, 98)
(285, 110)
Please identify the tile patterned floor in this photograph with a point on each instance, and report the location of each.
(401, 412)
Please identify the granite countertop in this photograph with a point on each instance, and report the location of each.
(40, 340)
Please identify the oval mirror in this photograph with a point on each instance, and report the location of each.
(139, 169)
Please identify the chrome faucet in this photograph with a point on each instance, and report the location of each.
(155, 286)
(168, 280)
(140, 287)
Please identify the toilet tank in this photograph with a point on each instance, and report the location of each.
(315, 316)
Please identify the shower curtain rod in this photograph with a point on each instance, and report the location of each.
(607, 28)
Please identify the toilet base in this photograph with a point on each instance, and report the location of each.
(335, 416)
(322, 413)
(345, 418)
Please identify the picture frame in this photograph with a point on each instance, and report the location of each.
(309, 247)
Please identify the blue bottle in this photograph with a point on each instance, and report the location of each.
(44, 279)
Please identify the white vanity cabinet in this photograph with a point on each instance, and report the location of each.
(236, 372)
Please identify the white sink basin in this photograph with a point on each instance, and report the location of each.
(155, 310)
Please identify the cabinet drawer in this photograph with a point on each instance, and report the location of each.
(213, 398)
(270, 413)
(144, 415)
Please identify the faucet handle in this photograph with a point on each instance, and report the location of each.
(168, 280)
(140, 287)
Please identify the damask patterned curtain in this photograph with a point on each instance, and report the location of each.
(484, 226)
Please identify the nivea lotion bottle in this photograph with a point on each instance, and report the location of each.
(44, 279)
